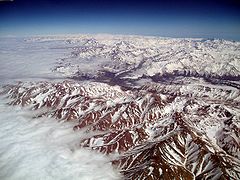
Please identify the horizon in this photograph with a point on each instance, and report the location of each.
(112, 34)
(176, 19)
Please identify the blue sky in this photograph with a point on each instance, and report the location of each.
(208, 19)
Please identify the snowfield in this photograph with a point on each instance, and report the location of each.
(119, 107)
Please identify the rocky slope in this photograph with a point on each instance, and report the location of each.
(163, 108)
(158, 131)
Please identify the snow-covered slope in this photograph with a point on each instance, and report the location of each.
(188, 131)
(161, 108)
(131, 57)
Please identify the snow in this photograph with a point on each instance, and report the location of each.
(83, 65)
(155, 54)
(160, 171)
(211, 132)
(150, 170)
(90, 54)
(46, 149)
(42, 148)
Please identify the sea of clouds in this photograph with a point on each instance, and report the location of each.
(41, 148)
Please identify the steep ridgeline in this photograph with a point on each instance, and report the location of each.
(134, 57)
(158, 131)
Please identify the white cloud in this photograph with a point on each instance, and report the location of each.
(33, 149)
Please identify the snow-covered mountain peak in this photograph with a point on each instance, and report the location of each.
(161, 108)
(137, 56)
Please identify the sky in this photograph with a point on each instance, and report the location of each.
(171, 18)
